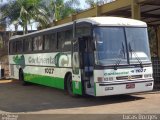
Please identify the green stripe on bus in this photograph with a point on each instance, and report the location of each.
(77, 87)
(45, 80)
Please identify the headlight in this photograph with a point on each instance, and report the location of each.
(100, 79)
(108, 79)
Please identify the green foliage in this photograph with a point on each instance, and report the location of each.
(21, 12)
(93, 3)
(59, 9)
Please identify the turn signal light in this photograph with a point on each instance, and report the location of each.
(100, 79)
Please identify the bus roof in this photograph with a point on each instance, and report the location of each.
(113, 21)
(100, 21)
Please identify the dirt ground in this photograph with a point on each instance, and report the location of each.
(36, 99)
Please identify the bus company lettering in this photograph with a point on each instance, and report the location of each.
(60, 59)
(42, 61)
(116, 73)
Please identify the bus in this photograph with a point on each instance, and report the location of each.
(97, 56)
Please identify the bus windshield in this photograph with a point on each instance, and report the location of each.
(121, 44)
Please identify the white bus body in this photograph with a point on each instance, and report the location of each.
(118, 58)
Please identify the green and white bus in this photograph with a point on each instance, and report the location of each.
(97, 56)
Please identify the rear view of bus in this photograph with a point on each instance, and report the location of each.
(122, 57)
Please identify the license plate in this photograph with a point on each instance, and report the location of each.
(130, 86)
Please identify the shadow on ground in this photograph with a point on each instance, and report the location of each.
(17, 98)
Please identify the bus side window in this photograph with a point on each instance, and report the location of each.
(47, 42)
(35, 43)
(19, 46)
(14, 47)
(38, 43)
(53, 41)
(61, 37)
(66, 43)
(50, 40)
(28, 45)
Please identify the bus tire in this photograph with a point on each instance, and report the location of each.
(21, 77)
(69, 86)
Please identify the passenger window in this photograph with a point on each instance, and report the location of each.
(64, 40)
(47, 42)
(19, 46)
(61, 38)
(66, 44)
(28, 45)
(14, 47)
(53, 42)
(50, 41)
(38, 43)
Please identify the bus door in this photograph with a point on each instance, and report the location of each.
(83, 59)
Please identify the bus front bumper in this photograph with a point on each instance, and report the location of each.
(106, 89)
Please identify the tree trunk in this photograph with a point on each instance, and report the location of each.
(16, 28)
(25, 29)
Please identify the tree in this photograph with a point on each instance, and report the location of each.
(93, 3)
(21, 12)
(58, 9)
(9, 13)
(2, 25)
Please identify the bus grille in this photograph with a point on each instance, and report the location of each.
(129, 77)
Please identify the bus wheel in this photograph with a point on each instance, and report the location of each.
(69, 85)
(21, 77)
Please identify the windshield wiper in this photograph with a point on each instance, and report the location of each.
(119, 58)
(135, 54)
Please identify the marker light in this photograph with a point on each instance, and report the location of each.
(100, 79)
